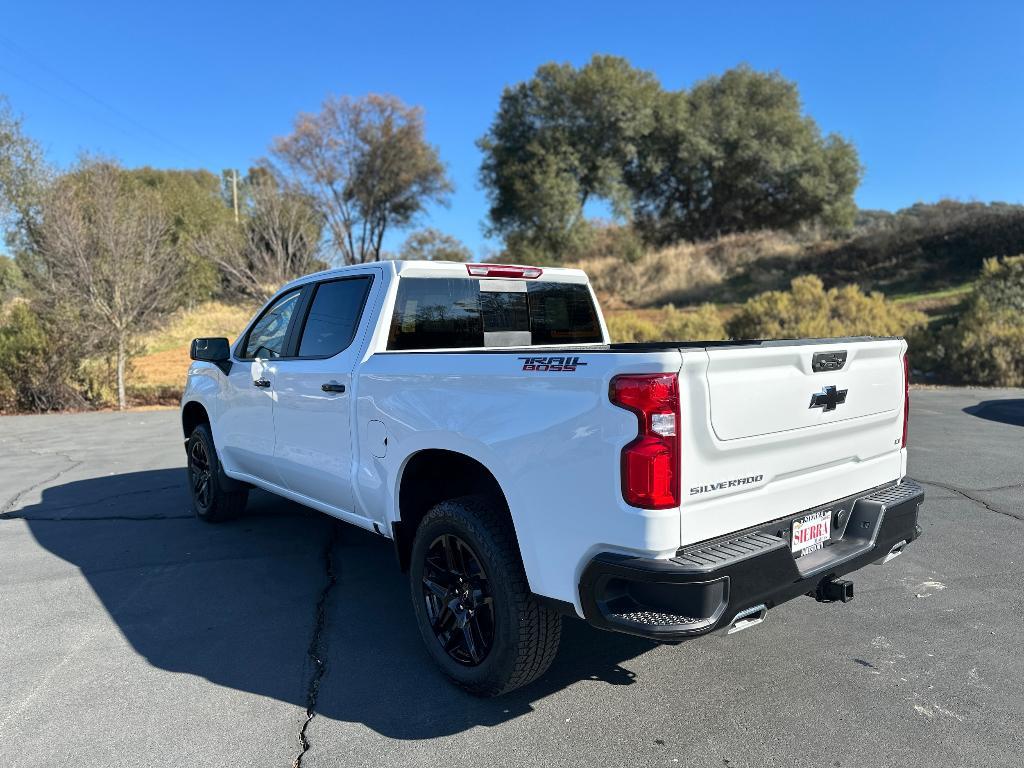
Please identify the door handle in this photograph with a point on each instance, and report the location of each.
(332, 386)
(261, 383)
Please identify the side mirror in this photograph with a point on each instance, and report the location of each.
(212, 350)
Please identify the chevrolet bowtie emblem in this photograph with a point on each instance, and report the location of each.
(828, 398)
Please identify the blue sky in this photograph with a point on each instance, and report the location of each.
(932, 94)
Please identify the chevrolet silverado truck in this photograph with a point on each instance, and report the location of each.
(526, 468)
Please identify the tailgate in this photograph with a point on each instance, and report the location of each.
(763, 390)
(779, 427)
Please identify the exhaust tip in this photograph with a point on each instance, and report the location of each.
(896, 551)
(748, 618)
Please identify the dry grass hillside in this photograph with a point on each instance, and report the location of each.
(690, 272)
(159, 372)
(925, 252)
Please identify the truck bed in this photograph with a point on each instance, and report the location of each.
(649, 346)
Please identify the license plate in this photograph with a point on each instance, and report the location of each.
(810, 533)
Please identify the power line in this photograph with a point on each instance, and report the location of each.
(14, 47)
(60, 99)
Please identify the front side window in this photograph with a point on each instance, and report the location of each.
(268, 335)
(447, 313)
(333, 316)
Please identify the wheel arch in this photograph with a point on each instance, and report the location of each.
(193, 413)
(432, 475)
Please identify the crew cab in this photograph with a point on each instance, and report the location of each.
(525, 467)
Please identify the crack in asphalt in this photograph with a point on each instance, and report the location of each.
(72, 464)
(12, 502)
(967, 495)
(6, 515)
(317, 650)
(94, 519)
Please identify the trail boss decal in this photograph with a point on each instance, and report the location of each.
(725, 484)
(555, 364)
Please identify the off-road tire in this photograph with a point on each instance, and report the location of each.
(223, 497)
(525, 632)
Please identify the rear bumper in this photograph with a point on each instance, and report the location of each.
(707, 585)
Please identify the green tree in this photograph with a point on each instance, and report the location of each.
(368, 168)
(24, 176)
(433, 245)
(193, 206)
(736, 154)
(563, 138)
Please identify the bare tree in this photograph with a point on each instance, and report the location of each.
(105, 254)
(277, 240)
(366, 164)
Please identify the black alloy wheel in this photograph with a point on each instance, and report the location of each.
(200, 474)
(459, 603)
(215, 497)
(480, 622)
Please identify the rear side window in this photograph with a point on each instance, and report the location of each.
(333, 316)
(268, 335)
(445, 313)
(563, 313)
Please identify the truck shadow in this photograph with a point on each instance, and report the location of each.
(235, 603)
(1002, 411)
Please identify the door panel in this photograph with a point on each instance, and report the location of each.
(313, 434)
(313, 444)
(245, 429)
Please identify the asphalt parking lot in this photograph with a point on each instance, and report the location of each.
(132, 634)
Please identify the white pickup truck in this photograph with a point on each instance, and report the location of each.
(525, 467)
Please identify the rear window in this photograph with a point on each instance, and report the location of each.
(446, 313)
(333, 316)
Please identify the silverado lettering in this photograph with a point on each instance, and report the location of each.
(725, 484)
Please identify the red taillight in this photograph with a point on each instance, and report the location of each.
(650, 464)
(906, 399)
(503, 270)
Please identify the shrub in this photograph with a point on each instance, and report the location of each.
(12, 283)
(38, 374)
(986, 346)
(704, 324)
(626, 327)
(807, 310)
(609, 241)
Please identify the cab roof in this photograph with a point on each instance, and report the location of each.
(449, 269)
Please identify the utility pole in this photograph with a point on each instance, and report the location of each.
(234, 191)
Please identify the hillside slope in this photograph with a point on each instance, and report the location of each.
(922, 250)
